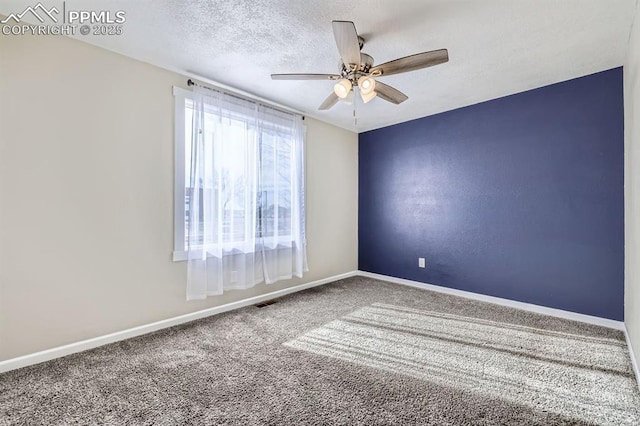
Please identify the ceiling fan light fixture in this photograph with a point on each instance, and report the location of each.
(342, 88)
(367, 85)
(366, 97)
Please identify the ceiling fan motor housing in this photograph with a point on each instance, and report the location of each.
(366, 62)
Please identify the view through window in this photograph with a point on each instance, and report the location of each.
(245, 174)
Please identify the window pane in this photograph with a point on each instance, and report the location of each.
(188, 128)
(234, 179)
(275, 197)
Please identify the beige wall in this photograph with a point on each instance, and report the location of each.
(86, 196)
(632, 188)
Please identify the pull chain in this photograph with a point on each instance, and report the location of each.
(355, 101)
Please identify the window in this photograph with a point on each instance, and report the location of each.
(252, 189)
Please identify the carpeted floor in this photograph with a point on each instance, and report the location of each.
(357, 351)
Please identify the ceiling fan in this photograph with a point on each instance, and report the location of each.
(357, 69)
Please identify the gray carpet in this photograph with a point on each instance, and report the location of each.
(357, 351)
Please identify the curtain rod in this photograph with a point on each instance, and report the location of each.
(193, 83)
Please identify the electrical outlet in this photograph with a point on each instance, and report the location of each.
(421, 262)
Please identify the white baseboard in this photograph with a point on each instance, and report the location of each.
(634, 363)
(60, 351)
(604, 322)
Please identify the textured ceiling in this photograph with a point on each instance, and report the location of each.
(496, 47)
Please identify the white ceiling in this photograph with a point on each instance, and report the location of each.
(496, 47)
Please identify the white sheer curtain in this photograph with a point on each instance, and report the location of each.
(245, 190)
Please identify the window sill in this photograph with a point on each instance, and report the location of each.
(180, 256)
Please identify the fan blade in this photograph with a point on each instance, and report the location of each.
(329, 102)
(347, 42)
(411, 63)
(305, 77)
(389, 93)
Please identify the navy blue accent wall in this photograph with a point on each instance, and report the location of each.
(520, 197)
